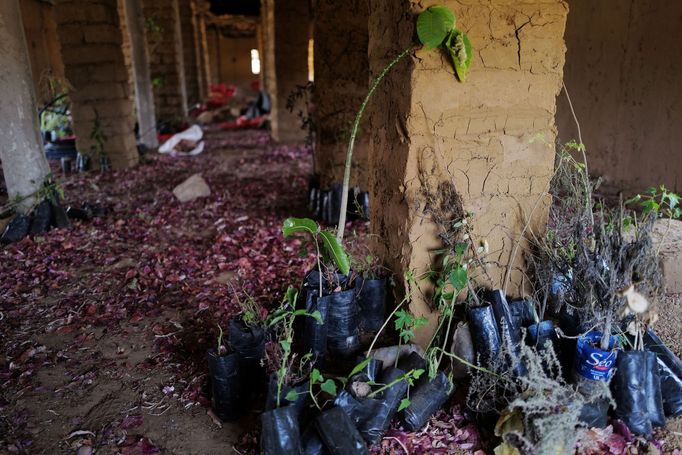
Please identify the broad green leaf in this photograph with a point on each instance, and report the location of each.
(458, 278)
(294, 225)
(434, 25)
(673, 200)
(420, 322)
(417, 373)
(329, 387)
(286, 345)
(292, 295)
(335, 251)
(317, 316)
(316, 376)
(292, 395)
(459, 46)
(359, 367)
(404, 403)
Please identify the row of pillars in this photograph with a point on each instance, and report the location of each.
(429, 142)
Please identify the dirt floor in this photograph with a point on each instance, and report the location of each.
(104, 327)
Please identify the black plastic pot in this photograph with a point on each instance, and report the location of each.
(314, 332)
(522, 312)
(104, 164)
(670, 371)
(225, 385)
(95, 210)
(373, 369)
(508, 328)
(62, 148)
(425, 400)
(271, 397)
(540, 334)
(629, 392)
(82, 162)
(571, 323)
(412, 361)
(247, 341)
(339, 434)
(312, 282)
(595, 412)
(280, 433)
(16, 230)
(369, 415)
(41, 218)
(343, 334)
(484, 334)
(654, 397)
(60, 219)
(249, 344)
(372, 302)
(77, 214)
(66, 164)
(311, 444)
(462, 347)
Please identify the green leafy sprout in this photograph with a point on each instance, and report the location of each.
(284, 318)
(332, 250)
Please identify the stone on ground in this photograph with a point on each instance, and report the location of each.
(193, 188)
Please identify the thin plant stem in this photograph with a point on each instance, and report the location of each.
(588, 193)
(469, 364)
(353, 135)
(388, 319)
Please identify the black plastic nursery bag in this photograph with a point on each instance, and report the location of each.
(339, 434)
(225, 385)
(280, 434)
(425, 400)
(629, 392)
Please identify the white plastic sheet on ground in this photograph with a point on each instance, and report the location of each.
(192, 134)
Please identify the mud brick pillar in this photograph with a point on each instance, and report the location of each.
(199, 10)
(341, 83)
(480, 138)
(139, 61)
(189, 56)
(286, 58)
(21, 151)
(164, 40)
(91, 42)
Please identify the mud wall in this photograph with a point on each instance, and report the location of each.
(623, 74)
(43, 45)
(428, 130)
(341, 83)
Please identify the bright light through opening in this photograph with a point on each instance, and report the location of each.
(255, 61)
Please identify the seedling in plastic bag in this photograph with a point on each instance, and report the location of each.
(332, 250)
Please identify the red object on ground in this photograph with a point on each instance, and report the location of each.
(242, 123)
(220, 94)
(163, 137)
